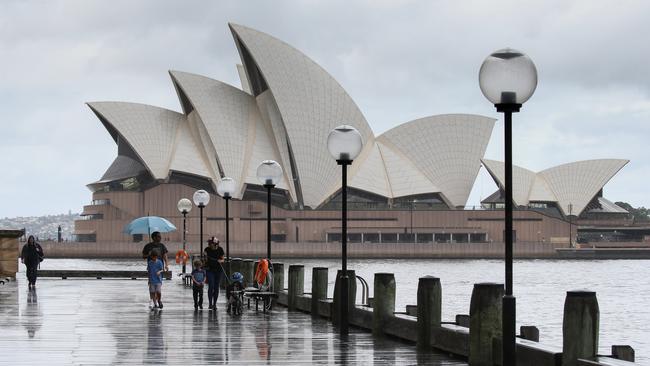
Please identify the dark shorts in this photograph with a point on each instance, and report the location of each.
(155, 287)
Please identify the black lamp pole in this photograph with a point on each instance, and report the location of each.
(227, 198)
(268, 219)
(201, 228)
(184, 232)
(344, 246)
(509, 301)
(570, 225)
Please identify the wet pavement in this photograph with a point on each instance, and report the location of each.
(73, 321)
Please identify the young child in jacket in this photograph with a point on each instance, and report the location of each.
(155, 268)
(199, 279)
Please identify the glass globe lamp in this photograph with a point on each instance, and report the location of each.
(269, 172)
(184, 205)
(201, 198)
(226, 187)
(508, 76)
(344, 143)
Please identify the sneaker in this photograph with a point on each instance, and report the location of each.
(160, 306)
(151, 305)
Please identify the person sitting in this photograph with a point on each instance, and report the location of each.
(234, 294)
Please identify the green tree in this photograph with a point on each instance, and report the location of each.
(640, 213)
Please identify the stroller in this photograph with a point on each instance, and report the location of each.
(235, 294)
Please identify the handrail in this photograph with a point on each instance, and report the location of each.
(365, 290)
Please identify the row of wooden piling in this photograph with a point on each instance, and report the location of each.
(480, 342)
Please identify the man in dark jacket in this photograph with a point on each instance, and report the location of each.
(157, 245)
(32, 256)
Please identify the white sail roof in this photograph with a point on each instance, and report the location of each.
(311, 103)
(575, 183)
(287, 109)
(446, 148)
(149, 130)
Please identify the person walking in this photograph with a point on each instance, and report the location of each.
(154, 269)
(155, 246)
(214, 257)
(32, 256)
(199, 278)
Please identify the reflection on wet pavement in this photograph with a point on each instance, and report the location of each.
(109, 322)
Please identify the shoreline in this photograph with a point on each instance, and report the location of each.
(357, 251)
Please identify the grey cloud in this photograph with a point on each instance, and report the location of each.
(399, 60)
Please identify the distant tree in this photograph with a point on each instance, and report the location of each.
(640, 213)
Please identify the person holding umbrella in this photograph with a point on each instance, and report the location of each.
(156, 245)
(153, 226)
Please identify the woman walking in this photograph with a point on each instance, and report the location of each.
(32, 256)
(214, 257)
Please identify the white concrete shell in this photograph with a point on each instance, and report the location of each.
(226, 113)
(149, 130)
(403, 177)
(446, 148)
(575, 183)
(286, 110)
(311, 103)
(522, 180)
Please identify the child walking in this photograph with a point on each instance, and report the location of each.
(199, 278)
(155, 268)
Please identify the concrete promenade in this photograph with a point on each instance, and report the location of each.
(76, 321)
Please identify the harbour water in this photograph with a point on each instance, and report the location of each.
(540, 286)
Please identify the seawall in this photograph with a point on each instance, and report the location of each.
(314, 250)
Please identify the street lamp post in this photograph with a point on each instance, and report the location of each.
(508, 78)
(269, 173)
(225, 189)
(570, 225)
(201, 199)
(344, 143)
(184, 206)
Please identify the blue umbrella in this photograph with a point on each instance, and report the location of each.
(148, 225)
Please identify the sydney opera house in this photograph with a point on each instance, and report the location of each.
(409, 185)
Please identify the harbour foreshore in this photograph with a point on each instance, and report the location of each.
(492, 250)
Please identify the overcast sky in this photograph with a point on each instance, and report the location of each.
(399, 60)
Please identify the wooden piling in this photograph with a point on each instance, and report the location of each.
(278, 277)
(384, 306)
(623, 352)
(248, 271)
(529, 332)
(580, 327)
(485, 322)
(296, 284)
(235, 265)
(429, 309)
(318, 287)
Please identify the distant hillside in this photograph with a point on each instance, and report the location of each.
(639, 213)
(43, 227)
